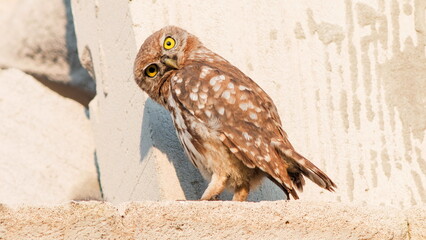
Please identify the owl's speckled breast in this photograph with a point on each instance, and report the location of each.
(191, 135)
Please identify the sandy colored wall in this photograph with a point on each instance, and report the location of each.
(348, 78)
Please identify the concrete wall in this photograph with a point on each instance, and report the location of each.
(348, 78)
(212, 220)
(38, 38)
(46, 142)
(46, 145)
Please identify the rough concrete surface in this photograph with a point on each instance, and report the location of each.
(210, 220)
(46, 145)
(416, 219)
(347, 78)
(38, 37)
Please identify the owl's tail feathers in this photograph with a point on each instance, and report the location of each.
(299, 166)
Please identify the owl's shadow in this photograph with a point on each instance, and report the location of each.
(158, 124)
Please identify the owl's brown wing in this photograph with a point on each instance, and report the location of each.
(245, 117)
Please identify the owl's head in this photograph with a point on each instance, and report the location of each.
(162, 53)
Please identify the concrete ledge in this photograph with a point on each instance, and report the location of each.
(211, 220)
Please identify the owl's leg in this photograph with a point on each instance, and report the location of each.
(216, 186)
(241, 193)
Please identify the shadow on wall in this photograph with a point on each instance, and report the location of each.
(158, 124)
(78, 75)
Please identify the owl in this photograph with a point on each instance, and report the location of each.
(228, 126)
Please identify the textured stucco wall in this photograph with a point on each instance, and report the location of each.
(348, 78)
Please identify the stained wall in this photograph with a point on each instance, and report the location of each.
(348, 78)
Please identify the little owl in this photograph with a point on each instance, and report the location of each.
(228, 126)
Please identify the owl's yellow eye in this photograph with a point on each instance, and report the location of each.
(151, 70)
(169, 43)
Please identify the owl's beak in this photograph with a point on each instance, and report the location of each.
(169, 62)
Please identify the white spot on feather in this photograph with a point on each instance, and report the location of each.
(177, 91)
(230, 85)
(215, 79)
(247, 136)
(233, 150)
(267, 158)
(177, 79)
(257, 142)
(204, 71)
(203, 95)
(231, 100)
(288, 152)
(193, 96)
(221, 110)
(250, 104)
(275, 143)
(226, 94)
(208, 113)
(242, 88)
(244, 106)
(253, 116)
